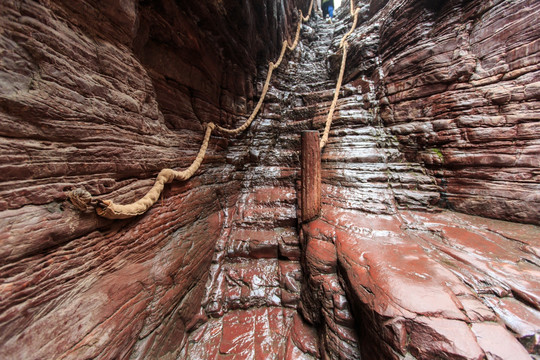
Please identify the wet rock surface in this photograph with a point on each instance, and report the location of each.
(455, 84)
(430, 284)
(383, 273)
(103, 95)
(222, 267)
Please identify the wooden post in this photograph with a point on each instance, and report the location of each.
(311, 175)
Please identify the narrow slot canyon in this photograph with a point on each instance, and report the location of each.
(426, 241)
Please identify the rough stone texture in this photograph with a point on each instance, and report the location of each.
(433, 285)
(417, 280)
(222, 267)
(457, 83)
(103, 95)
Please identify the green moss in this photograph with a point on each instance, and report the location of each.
(437, 152)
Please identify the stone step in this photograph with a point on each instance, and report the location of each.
(255, 333)
(240, 282)
(255, 243)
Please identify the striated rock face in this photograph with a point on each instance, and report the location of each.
(457, 83)
(438, 110)
(378, 281)
(103, 95)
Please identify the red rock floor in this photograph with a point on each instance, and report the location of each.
(427, 284)
(257, 333)
(453, 277)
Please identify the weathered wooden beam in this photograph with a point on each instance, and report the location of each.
(311, 175)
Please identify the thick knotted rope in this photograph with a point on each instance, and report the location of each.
(80, 198)
(165, 176)
(324, 138)
(107, 208)
(343, 44)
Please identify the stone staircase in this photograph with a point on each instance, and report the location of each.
(256, 280)
(273, 294)
(361, 155)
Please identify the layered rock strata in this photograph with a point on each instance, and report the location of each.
(381, 277)
(368, 178)
(263, 261)
(457, 83)
(103, 95)
(221, 267)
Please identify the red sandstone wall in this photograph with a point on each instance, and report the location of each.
(103, 95)
(458, 84)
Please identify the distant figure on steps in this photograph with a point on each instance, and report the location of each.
(328, 9)
(317, 6)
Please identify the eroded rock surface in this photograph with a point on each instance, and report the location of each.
(438, 109)
(433, 285)
(103, 95)
(457, 83)
(381, 277)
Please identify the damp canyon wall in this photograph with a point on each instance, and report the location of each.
(103, 95)
(457, 83)
(439, 109)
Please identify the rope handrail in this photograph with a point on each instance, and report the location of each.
(108, 209)
(343, 44)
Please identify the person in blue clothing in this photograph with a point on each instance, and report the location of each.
(328, 8)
